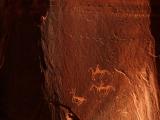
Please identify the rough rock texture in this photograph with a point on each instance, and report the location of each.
(102, 60)
(100, 56)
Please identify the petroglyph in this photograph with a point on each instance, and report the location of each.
(77, 99)
(123, 112)
(118, 11)
(98, 72)
(44, 18)
(68, 116)
(102, 88)
(119, 38)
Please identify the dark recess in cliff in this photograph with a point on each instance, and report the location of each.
(21, 95)
(155, 30)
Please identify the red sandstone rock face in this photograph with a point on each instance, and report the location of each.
(102, 56)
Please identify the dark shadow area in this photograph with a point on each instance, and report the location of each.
(21, 75)
(155, 30)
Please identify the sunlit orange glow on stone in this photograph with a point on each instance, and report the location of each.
(102, 53)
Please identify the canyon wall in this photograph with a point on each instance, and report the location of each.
(101, 58)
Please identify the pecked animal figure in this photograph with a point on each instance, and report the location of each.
(95, 47)
(87, 42)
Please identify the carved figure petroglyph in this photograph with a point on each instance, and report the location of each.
(77, 99)
(98, 72)
(105, 89)
(43, 18)
(68, 116)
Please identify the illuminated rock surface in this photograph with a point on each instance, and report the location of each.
(103, 62)
(100, 56)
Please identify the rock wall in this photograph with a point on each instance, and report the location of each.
(100, 56)
(21, 60)
(101, 60)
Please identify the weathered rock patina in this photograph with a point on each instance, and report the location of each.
(102, 58)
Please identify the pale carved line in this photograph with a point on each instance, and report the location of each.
(77, 99)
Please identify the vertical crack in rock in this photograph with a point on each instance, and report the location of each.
(70, 113)
(60, 109)
(57, 107)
